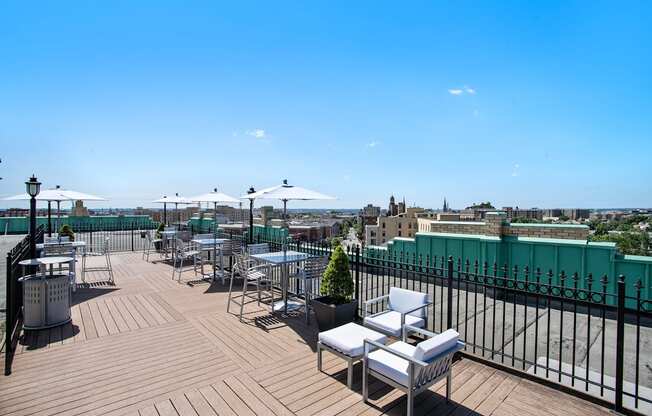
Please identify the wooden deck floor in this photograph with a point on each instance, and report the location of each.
(152, 346)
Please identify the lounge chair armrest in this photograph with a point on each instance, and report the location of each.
(403, 314)
(420, 331)
(399, 354)
(373, 301)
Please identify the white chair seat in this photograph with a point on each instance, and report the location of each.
(349, 338)
(256, 275)
(390, 322)
(390, 365)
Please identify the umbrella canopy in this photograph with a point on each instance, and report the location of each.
(45, 195)
(57, 195)
(285, 192)
(176, 200)
(215, 197)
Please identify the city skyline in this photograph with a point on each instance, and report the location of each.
(521, 105)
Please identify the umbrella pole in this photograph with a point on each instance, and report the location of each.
(251, 221)
(49, 218)
(58, 216)
(165, 214)
(285, 223)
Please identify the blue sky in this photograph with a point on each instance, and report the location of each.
(520, 103)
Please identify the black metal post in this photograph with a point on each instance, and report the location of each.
(9, 316)
(357, 280)
(132, 236)
(32, 228)
(251, 221)
(49, 218)
(449, 307)
(620, 343)
(165, 214)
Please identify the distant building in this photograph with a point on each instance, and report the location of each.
(446, 207)
(79, 210)
(389, 227)
(575, 214)
(369, 214)
(531, 213)
(392, 210)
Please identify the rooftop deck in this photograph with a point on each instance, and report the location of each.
(152, 346)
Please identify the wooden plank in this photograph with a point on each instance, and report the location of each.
(107, 317)
(165, 408)
(270, 401)
(182, 406)
(96, 317)
(199, 403)
(232, 400)
(119, 320)
(216, 401)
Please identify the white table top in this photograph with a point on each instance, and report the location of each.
(280, 257)
(209, 241)
(44, 261)
(63, 243)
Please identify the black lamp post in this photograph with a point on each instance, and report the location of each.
(251, 215)
(165, 212)
(33, 187)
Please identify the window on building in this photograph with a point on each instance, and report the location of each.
(410, 226)
(399, 233)
(399, 225)
(383, 225)
(383, 233)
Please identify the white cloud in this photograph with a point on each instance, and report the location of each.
(461, 91)
(373, 144)
(515, 171)
(257, 133)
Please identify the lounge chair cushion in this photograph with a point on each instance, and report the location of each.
(390, 322)
(390, 365)
(349, 338)
(403, 300)
(430, 348)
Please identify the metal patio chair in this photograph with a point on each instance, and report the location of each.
(411, 369)
(404, 307)
(99, 249)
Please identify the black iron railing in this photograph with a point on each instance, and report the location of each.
(14, 295)
(568, 335)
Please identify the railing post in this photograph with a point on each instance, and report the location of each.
(357, 281)
(9, 315)
(620, 343)
(449, 306)
(132, 236)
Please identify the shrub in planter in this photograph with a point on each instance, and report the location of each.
(161, 227)
(66, 231)
(336, 306)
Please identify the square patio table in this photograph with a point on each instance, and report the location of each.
(283, 259)
(208, 244)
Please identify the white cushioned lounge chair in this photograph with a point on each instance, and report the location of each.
(404, 307)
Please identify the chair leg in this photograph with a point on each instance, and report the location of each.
(244, 293)
(349, 375)
(410, 403)
(365, 381)
(449, 379)
(319, 359)
(228, 303)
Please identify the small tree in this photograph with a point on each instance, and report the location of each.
(66, 231)
(337, 282)
(160, 228)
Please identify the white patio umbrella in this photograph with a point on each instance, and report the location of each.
(176, 200)
(216, 198)
(285, 193)
(57, 194)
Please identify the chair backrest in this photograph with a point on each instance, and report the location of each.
(54, 250)
(179, 245)
(184, 235)
(241, 264)
(403, 300)
(314, 267)
(258, 248)
(432, 347)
